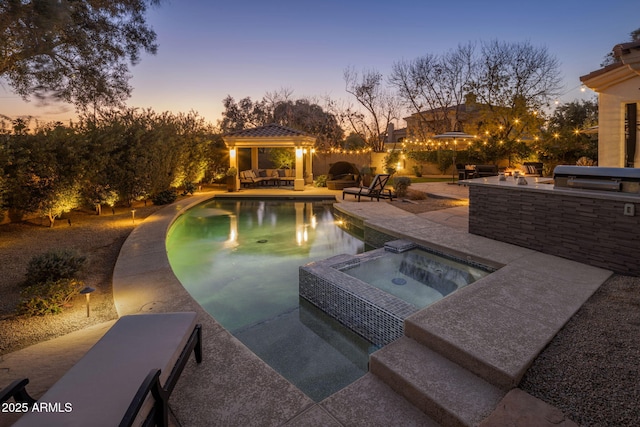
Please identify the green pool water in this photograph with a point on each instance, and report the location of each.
(239, 259)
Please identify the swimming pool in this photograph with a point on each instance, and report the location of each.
(240, 258)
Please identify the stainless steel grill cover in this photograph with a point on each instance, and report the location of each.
(626, 180)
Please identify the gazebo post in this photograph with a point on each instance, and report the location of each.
(309, 165)
(233, 163)
(298, 183)
(254, 158)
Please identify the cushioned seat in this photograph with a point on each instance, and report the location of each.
(102, 386)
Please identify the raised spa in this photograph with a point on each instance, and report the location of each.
(372, 293)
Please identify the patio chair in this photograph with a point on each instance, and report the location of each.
(376, 189)
(125, 379)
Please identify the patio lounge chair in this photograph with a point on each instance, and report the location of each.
(376, 189)
(126, 378)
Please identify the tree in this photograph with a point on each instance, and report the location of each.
(45, 170)
(311, 118)
(243, 114)
(563, 140)
(495, 90)
(512, 83)
(434, 87)
(379, 104)
(277, 107)
(148, 152)
(75, 51)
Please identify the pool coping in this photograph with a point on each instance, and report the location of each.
(233, 386)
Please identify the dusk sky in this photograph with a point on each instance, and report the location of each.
(211, 49)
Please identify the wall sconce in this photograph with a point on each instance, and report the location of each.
(87, 292)
(232, 153)
(298, 152)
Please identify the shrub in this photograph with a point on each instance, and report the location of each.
(585, 161)
(165, 197)
(53, 265)
(401, 185)
(417, 170)
(48, 297)
(321, 181)
(189, 188)
(416, 195)
(282, 158)
(390, 162)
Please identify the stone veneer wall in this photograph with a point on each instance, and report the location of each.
(365, 309)
(590, 230)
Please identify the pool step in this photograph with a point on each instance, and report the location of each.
(370, 402)
(446, 343)
(443, 390)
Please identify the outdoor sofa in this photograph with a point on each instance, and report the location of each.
(483, 171)
(256, 177)
(342, 175)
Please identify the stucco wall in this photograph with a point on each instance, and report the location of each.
(611, 110)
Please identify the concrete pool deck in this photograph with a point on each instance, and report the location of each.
(496, 339)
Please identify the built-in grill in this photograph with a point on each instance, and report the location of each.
(626, 180)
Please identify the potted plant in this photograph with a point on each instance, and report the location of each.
(232, 174)
(367, 175)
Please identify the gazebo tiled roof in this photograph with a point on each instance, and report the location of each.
(271, 135)
(271, 130)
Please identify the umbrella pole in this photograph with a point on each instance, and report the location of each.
(453, 174)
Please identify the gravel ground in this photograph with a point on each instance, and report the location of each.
(590, 370)
(99, 238)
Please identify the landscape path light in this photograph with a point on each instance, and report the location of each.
(87, 292)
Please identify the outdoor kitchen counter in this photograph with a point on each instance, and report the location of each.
(546, 185)
(595, 227)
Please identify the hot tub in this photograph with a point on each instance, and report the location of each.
(372, 293)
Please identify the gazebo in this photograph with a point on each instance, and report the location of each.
(274, 136)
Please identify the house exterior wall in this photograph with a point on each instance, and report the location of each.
(617, 85)
(611, 118)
